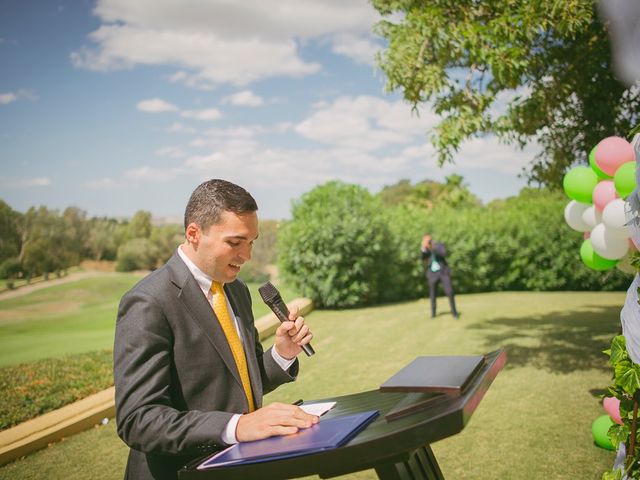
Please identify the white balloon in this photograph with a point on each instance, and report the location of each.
(591, 216)
(613, 216)
(608, 245)
(573, 215)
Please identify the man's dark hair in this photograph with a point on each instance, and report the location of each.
(211, 198)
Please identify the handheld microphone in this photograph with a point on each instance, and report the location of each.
(271, 296)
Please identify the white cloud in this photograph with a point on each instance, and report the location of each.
(10, 97)
(218, 41)
(6, 98)
(504, 97)
(487, 153)
(7, 182)
(152, 174)
(245, 98)
(101, 183)
(365, 123)
(172, 152)
(156, 105)
(359, 48)
(208, 58)
(178, 127)
(205, 114)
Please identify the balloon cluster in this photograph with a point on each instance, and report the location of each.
(600, 426)
(597, 207)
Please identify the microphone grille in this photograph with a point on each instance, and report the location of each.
(268, 292)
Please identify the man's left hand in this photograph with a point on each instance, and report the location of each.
(291, 335)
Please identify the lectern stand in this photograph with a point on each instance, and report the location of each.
(397, 449)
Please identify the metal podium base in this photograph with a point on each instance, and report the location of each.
(421, 465)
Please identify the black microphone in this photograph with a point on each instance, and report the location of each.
(271, 296)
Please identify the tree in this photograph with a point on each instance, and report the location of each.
(336, 247)
(550, 61)
(102, 239)
(137, 254)
(10, 238)
(429, 194)
(166, 238)
(140, 225)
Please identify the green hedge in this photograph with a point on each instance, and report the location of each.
(31, 389)
(343, 248)
(335, 248)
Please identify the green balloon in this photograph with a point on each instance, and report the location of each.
(600, 429)
(625, 179)
(579, 183)
(594, 261)
(594, 165)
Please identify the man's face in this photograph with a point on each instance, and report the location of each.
(220, 251)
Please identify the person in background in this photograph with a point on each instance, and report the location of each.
(437, 270)
(189, 369)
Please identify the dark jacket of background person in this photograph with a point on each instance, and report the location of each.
(438, 272)
(176, 382)
(438, 252)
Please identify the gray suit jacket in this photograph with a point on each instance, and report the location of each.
(177, 384)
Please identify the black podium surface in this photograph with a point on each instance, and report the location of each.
(397, 449)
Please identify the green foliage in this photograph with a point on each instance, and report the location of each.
(10, 238)
(31, 389)
(548, 61)
(166, 238)
(103, 238)
(625, 387)
(342, 248)
(139, 226)
(336, 248)
(137, 254)
(429, 194)
(10, 268)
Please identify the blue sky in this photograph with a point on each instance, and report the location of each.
(115, 106)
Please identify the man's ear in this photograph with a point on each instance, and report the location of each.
(192, 233)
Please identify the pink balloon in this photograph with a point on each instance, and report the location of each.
(603, 193)
(612, 407)
(612, 152)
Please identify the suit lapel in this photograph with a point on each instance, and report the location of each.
(200, 311)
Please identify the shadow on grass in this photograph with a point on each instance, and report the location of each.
(558, 342)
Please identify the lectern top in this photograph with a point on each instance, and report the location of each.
(443, 374)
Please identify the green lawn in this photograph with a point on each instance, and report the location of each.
(72, 318)
(64, 319)
(534, 423)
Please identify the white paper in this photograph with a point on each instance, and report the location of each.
(318, 409)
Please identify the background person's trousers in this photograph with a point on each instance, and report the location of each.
(443, 275)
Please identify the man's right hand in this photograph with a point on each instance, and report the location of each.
(274, 419)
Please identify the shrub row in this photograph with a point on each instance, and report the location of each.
(344, 248)
(34, 388)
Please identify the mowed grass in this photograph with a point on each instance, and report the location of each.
(534, 422)
(72, 318)
(64, 319)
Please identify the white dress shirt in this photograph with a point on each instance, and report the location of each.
(204, 282)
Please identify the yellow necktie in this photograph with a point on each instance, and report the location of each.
(222, 312)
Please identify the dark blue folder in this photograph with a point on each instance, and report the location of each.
(327, 434)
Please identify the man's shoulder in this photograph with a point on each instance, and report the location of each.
(159, 279)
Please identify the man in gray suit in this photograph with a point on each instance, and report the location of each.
(182, 391)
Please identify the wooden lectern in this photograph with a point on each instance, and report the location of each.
(397, 448)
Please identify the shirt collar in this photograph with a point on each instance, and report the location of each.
(204, 280)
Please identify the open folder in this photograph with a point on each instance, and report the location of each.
(327, 434)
